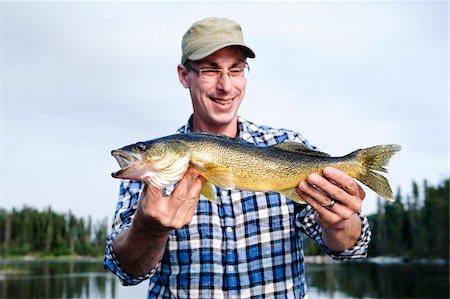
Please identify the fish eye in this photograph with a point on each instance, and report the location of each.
(140, 146)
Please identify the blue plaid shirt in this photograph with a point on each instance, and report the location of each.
(245, 245)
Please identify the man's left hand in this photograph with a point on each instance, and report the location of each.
(336, 197)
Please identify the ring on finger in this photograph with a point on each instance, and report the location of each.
(331, 205)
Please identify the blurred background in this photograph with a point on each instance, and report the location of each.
(80, 78)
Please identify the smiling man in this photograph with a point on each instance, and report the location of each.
(217, 95)
(245, 244)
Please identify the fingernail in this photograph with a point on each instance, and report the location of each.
(302, 185)
(313, 178)
(328, 171)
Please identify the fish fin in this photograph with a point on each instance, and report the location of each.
(292, 195)
(375, 159)
(221, 177)
(218, 175)
(299, 148)
(209, 191)
(214, 135)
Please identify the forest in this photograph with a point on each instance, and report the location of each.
(46, 234)
(416, 225)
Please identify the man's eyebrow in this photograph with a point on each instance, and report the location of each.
(216, 65)
(213, 64)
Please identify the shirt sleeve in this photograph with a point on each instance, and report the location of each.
(306, 221)
(129, 194)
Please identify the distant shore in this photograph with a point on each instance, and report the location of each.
(31, 258)
(311, 259)
(325, 259)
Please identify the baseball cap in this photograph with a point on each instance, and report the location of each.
(210, 35)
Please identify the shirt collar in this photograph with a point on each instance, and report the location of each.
(244, 129)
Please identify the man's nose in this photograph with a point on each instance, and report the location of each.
(224, 82)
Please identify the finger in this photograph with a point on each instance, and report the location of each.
(197, 186)
(190, 205)
(186, 210)
(314, 194)
(331, 190)
(181, 193)
(352, 193)
(151, 206)
(321, 200)
(362, 193)
(342, 180)
(331, 215)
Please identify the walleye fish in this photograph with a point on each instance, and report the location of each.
(231, 164)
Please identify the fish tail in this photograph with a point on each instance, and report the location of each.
(376, 159)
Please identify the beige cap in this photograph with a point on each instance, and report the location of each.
(210, 35)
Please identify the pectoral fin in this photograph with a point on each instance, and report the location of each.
(292, 195)
(209, 191)
(217, 175)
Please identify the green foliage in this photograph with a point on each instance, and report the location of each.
(31, 232)
(414, 227)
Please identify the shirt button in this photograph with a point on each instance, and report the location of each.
(229, 229)
(224, 193)
(230, 268)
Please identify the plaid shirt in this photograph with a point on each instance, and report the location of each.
(245, 245)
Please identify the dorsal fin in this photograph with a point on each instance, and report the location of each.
(213, 135)
(299, 148)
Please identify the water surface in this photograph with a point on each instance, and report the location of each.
(88, 280)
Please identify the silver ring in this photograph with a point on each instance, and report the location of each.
(332, 203)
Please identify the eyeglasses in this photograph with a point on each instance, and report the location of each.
(213, 75)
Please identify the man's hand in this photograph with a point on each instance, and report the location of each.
(337, 198)
(140, 247)
(161, 213)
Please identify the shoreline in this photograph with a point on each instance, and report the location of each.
(380, 260)
(62, 259)
(310, 259)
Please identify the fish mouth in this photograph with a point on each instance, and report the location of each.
(126, 161)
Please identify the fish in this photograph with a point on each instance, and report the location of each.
(235, 164)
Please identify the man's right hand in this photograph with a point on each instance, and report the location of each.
(159, 212)
(140, 247)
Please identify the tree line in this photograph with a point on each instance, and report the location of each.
(46, 233)
(415, 225)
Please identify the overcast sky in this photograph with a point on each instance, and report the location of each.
(82, 78)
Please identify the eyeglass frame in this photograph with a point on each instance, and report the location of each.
(218, 72)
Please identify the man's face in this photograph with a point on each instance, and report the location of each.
(216, 100)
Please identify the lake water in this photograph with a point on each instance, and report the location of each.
(88, 280)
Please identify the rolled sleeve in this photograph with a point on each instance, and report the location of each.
(306, 221)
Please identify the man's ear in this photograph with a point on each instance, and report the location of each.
(183, 75)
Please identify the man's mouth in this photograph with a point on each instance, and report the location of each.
(222, 101)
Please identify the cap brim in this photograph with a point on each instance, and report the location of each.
(205, 52)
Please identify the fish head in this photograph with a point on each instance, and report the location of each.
(161, 162)
(131, 162)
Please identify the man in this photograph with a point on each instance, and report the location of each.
(245, 244)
